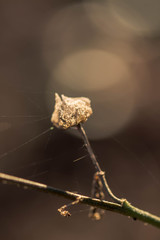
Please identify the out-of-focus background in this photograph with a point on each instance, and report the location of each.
(108, 51)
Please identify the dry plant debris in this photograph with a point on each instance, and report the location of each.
(97, 192)
(69, 112)
(65, 213)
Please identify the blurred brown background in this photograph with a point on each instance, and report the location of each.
(108, 51)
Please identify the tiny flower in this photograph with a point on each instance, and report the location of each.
(69, 112)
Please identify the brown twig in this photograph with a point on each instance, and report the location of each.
(125, 208)
(96, 164)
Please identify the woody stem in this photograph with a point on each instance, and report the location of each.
(96, 164)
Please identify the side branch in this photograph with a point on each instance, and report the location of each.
(96, 164)
(125, 208)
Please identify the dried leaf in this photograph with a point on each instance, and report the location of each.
(69, 112)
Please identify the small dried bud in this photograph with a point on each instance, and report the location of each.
(64, 213)
(63, 210)
(94, 214)
(69, 112)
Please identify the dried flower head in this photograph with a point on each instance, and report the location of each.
(69, 112)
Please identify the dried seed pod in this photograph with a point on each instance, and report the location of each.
(69, 112)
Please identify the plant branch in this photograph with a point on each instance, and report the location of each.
(125, 208)
(96, 164)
